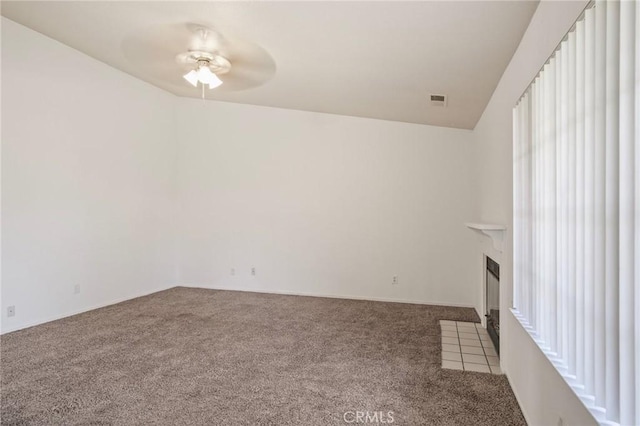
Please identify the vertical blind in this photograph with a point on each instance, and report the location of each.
(577, 210)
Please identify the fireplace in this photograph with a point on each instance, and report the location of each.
(493, 302)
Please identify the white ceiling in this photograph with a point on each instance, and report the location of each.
(365, 59)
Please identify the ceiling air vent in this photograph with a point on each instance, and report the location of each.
(438, 100)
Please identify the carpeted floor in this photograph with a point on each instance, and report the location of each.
(204, 357)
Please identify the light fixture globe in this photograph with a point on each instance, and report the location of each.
(192, 77)
(206, 76)
(214, 81)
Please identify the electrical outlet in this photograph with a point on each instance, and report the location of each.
(233, 271)
(395, 280)
(11, 311)
(76, 289)
(253, 271)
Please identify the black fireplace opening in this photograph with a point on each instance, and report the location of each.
(493, 302)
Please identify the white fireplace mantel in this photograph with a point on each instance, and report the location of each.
(493, 231)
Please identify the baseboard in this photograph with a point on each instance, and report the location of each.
(475, 308)
(515, 393)
(513, 389)
(288, 293)
(332, 296)
(79, 311)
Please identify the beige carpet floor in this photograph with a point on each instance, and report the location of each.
(204, 357)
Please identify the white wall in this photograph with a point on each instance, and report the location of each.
(324, 204)
(318, 204)
(88, 168)
(541, 391)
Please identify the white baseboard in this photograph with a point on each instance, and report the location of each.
(39, 321)
(332, 296)
(518, 399)
(475, 308)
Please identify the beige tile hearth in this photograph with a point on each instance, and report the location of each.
(467, 346)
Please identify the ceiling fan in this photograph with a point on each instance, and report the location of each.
(207, 67)
(194, 55)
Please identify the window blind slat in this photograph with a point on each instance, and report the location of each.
(580, 205)
(571, 204)
(626, 223)
(534, 208)
(542, 325)
(589, 185)
(539, 194)
(542, 320)
(529, 194)
(599, 200)
(518, 157)
(637, 217)
(612, 211)
(527, 243)
(564, 205)
(560, 195)
(550, 193)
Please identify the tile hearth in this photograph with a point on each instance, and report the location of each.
(467, 346)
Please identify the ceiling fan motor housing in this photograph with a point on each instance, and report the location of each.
(217, 63)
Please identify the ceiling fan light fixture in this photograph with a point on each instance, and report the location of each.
(192, 77)
(206, 67)
(203, 74)
(214, 82)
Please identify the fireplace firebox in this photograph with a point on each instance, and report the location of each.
(493, 302)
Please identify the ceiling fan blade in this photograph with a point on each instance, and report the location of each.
(157, 45)
(242, 79)
(251, 66)
(204, 38)
(161, 44)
